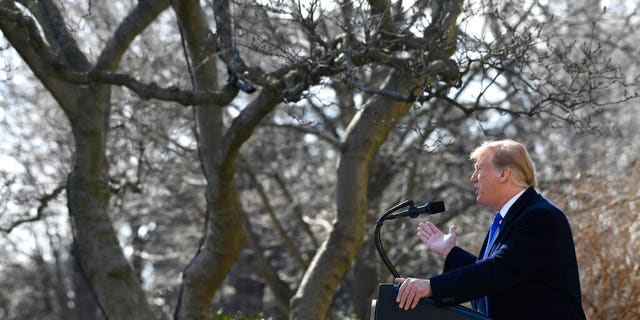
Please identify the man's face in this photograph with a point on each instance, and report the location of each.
(486, 181)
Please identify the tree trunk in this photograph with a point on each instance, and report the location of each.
(224, 235)
(364, 280)
(85, 305)
(218, 149)
(102, 261)
(100, 258)
(364, 136)
(363, 277)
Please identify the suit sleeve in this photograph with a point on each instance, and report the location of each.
(523, 251)
(457, 258)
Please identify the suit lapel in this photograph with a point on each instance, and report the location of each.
(484, 245)
(516, 209)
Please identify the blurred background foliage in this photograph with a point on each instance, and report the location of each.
(572, 102)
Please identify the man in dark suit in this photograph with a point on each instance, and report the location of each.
(527, 266)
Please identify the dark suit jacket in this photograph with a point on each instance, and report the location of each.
(530, 273)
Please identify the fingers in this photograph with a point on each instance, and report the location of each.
(425, 230)
(411, 291)
(423, 238)
(428, 230)
(422, 227)
(406, 294)
(414, 304)
(412, 299)
(423, 234)
(402, 292)
(452, 229)
(431, 228)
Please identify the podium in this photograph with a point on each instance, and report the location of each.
(388, 309)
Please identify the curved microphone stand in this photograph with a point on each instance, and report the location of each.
(387, 216)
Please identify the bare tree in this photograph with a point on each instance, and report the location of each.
(413, 68)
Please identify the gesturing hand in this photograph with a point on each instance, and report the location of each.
(411, 290)
(436, 240)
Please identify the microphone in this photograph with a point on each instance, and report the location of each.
(413, 211)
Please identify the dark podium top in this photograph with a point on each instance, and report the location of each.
(388, 309)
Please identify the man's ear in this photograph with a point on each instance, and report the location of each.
(505, 174)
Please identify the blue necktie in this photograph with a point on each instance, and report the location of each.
(482, 303)
(493, 231)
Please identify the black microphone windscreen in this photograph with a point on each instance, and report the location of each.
(436, 206)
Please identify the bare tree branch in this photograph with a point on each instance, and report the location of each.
(44, 203)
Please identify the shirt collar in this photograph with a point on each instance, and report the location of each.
(507, 206)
